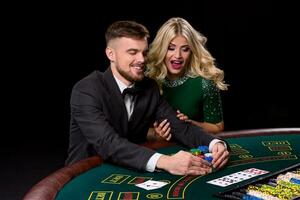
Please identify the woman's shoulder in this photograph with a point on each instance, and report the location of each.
(205, 83)
(202, 80)
(199, 80)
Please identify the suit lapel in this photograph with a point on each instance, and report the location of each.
(140, 103)
(116, 100)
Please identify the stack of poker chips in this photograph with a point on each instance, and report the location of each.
(202, 152)
(285, 186)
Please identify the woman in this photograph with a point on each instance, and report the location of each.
(187, 75)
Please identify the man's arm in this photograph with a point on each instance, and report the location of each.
(191, 136)
(88, 113)
(183, 132)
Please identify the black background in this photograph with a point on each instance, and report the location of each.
(50, 47)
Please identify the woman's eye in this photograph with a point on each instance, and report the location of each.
(186, 49)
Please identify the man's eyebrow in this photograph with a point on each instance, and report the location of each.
(137, 50)
(132, 49)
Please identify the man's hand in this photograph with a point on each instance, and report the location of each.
(183, 163)
(220, 155)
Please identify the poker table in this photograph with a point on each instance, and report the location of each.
(91, 179)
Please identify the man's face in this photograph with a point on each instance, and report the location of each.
(128, 56)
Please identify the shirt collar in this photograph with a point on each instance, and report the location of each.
(121, 85)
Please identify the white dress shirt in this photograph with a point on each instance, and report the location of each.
(128, 99)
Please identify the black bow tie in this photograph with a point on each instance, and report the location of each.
(131, 91)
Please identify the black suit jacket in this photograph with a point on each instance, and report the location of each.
(99, 122)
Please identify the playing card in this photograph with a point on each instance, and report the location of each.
(237, 177)
(242, 175)
(255, 171)
(223, 181)
(151, 185)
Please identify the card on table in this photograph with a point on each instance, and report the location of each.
(237, 177)
(151, 185)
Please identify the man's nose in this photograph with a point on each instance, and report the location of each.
(141, 57)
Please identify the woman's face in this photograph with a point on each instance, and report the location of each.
(177, 57)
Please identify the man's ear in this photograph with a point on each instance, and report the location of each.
(110, 53)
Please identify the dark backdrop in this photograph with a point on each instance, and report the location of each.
(51, 47)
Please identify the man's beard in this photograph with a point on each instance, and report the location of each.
(129, 77)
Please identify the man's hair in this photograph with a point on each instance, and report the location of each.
(129, 29)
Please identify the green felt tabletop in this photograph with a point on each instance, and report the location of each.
(270, 153)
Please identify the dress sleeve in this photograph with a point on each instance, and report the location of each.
(212, 104)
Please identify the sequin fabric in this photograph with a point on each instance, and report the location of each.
(197, 97)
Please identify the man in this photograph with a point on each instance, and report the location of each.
(105, 122)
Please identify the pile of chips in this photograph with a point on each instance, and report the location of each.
(281, 186)
(285, 186)
(202, 152)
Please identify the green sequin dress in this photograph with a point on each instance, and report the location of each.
(198, 98)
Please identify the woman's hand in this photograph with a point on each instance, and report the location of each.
(182, 116)
(163, 129)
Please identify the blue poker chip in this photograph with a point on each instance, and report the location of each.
(251, 197)
(203, 149)
(296, 181)
(208, 157)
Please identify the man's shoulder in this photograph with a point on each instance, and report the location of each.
(95, 75)
(146, 78)
(149, 81)
(94, 78)
(147, 84)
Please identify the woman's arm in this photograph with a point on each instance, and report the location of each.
(210, 127)
(207, 126)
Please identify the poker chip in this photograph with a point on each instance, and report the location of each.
(195, 152)
(208, 154)
(202, 152)
(283, 187)
(296, 181)
(208, 157)
(203, 149)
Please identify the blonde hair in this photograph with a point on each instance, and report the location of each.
(201, 63)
